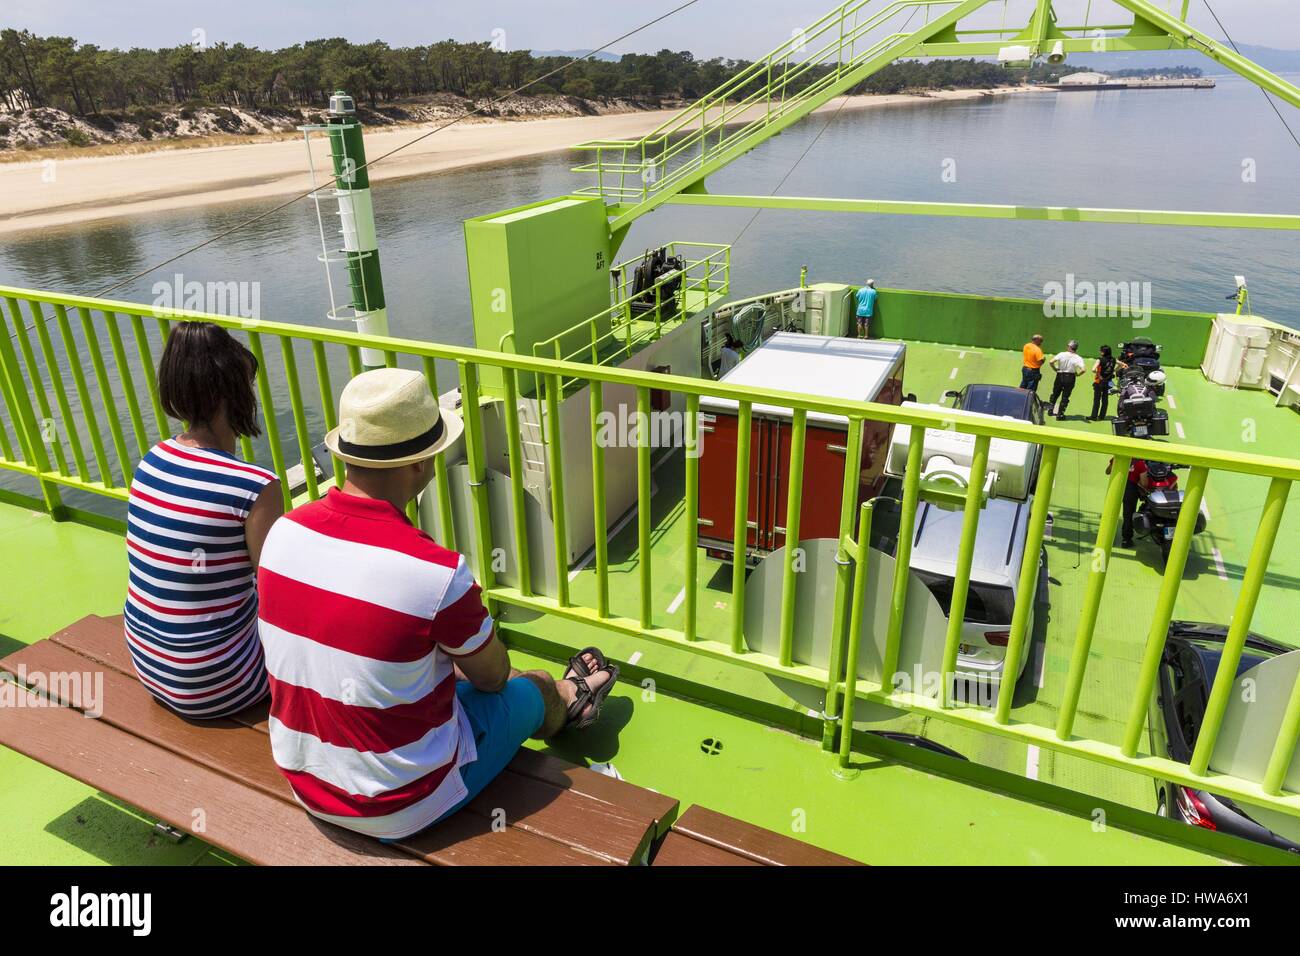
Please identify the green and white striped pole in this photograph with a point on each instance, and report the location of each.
(357, 219)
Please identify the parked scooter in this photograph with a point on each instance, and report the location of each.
(1159, 506)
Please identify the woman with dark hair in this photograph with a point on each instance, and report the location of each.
(196, 520)
(1103, 374)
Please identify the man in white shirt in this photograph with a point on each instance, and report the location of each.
(1069, 365)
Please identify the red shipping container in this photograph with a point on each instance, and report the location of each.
(824, 366)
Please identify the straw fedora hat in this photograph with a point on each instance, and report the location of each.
(389, 418)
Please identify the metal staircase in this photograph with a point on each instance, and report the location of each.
(815, 65)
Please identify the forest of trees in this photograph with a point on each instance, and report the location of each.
(86, 80)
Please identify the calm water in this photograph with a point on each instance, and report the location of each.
(1146, 149)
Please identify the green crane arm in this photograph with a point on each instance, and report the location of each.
(1191, 39)
(835, 54)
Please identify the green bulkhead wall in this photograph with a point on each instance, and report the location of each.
(1006, 323)
(534, 272)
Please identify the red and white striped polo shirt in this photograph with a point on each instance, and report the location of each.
(361, 615)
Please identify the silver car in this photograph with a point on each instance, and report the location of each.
(995, 578)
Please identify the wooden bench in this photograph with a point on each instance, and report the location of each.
(704, 837)
(216, 778)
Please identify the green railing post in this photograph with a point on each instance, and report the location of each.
(96, 441)
(1028, 589)
(740, 527)
(268, 418)
(150, 378)
(793, 511)
(440, 468)
(855, 631)
(106, 393)
(476, 461)
(299, 416)
(69, 423)
(643, 505)
(128, 383)
(555, 459)
(1279, 761)
(903, 556)
(1239, 629)
(691, 515)
(1159, 630)
(1092, 595)
(328, 410)
(970, 520)
(599, 517)
(514, 453)
(26, 428)
(46, 434)
(849, 491)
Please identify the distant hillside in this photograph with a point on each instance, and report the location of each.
(1278, 61)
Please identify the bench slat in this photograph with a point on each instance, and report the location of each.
(222, 745)
(467, 839)
(244, 754)
(609, 831)
(626, 817)
(542, 766)
(680, 850)
(236, 818)
(763, 846)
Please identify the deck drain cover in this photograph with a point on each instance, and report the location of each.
(711, 747)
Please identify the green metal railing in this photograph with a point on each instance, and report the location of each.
(616, 332)
(833, 54)
(51, 448)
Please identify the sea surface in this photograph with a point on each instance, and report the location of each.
(1222, 149)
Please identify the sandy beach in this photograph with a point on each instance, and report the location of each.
(60, 192)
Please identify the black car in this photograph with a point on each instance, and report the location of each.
(1187, 669)
(1004, 401)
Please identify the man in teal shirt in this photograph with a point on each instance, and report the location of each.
(866, 307)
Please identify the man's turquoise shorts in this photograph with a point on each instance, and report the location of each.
(501, 722)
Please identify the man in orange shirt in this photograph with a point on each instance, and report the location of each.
(1032, 373)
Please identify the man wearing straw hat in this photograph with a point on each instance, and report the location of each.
(393, 702)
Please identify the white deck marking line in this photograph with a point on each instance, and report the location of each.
(677, 601)
(1041, 670)
(954, 374)
(1218, 564)
(961, 355)
(633, 658)
(1178, 427)
(1172, 403)
(1031, 762)
(613, 533)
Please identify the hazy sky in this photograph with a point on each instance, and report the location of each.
(737, 28)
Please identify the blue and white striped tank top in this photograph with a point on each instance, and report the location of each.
(191, 604)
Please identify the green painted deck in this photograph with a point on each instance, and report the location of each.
(674, 724)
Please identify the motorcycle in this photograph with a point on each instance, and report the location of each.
(1136, 414)
(1159, 505)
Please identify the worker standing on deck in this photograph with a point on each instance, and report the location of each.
(393, 702)
(1103, 375)
(866, 308)
(1032, 371)
(1069, 365)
